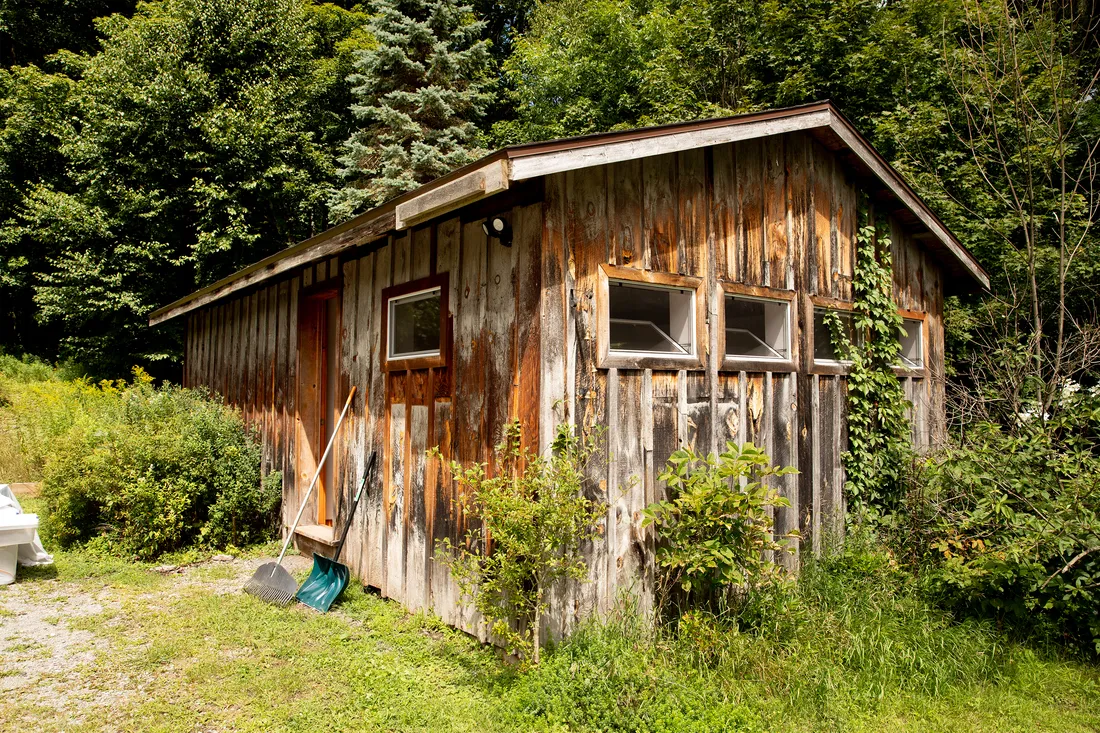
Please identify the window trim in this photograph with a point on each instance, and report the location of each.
(608, 359)
(413, 287)
(753, 363)
(921, 371)
(823, 366)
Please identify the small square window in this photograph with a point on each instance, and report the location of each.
(414, 325)
(824, 350)
(912, 343)
(757, 329)
(648, 319)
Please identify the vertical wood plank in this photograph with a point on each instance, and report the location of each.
(269, 370)
(401, 255)
(416, 582)
(377, 265)
(776, 250)
(750, 206)
(586, 222)
(553, 394)
(821, 262)
(289, 466)
(420, 256)
(282, 441)
(724, 212)
(659, 213)
(555, 391)
(846, 233)
(624, 214)
(500, 304)
(395, 511)
(692, 211)
(785, 453)
(351, 453)
(528, 244)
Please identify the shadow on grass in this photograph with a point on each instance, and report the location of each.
(36, 573)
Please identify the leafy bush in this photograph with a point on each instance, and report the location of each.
(1007, 524)
(537, 516)
(25, 369)
(715, 531)
(152, 469)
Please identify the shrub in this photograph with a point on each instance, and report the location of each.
(537, 516)
(715, 531)
(153, 469)
(1007, 524)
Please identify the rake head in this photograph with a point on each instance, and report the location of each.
(273, 584)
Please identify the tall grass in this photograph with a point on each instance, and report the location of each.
(852, 633)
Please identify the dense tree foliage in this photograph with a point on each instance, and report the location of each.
(592, 66)
(31, 30)
(199, 140)
(159, 151)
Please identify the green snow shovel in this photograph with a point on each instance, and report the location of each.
(328, 578)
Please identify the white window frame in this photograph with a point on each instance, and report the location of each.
(600, 313)
(391, 322)
(919, 321)
(788, 326)
(691, 326)
(813, 330)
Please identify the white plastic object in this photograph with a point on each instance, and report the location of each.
(15, 530)
(8, 556)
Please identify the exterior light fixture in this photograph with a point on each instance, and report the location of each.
(496, 227)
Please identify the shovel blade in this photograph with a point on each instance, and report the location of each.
(324, 585)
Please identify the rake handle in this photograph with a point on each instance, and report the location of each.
(316, 475)
(351, 515)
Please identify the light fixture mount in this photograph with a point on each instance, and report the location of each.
(497, 227)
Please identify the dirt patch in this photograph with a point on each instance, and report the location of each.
(41, 651)
(50, 660)
(26, 491)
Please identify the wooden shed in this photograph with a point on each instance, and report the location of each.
(666, 283)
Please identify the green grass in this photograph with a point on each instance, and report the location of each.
(862, 654)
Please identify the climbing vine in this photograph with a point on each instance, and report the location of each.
(878, 429)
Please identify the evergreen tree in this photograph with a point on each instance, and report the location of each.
(418, 93)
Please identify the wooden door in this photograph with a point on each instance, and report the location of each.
(319, 399)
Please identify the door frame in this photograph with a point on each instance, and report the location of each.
(314, 351)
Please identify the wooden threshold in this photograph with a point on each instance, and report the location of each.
(318, 533)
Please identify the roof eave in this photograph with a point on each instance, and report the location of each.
(522, 162)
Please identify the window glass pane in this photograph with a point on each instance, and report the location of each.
(823, 337)
(912, 343)
(757, 328)
(650, 320)
(414, 325)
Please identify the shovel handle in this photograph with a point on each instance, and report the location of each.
(351, 515)
(316, 475)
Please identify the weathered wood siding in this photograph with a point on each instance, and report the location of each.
(246, 350)
(778, 212)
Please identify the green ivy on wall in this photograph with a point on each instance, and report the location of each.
(878, 429)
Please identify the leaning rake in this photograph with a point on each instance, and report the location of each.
(271, 582)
